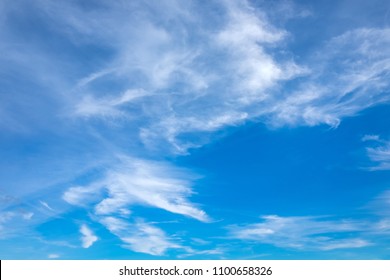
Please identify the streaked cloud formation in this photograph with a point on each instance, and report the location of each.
(325, 233)
(137, 182)
(88, 237)
(379, 153)
(143, 182)
(101, 102)
(140, 236)
(350, 74)
(53, 256)
(303, 233)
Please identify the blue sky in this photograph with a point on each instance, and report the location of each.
(189, 130)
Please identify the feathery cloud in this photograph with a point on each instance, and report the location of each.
(350, 74)
(140, 236)
(136, 181)
(88, 237)
(379, 153)
(53, 256)
(166, 77)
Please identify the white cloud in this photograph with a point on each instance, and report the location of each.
(189, 92)
(137, 182)
(6, 216)
(53, 256)
(381, 206)
(140, 236)
(213, 252)
(251, 67)
(46, 205)
(28, 215)
(383, 226)
(379, 154)
(109, 107)
(82, 195)
(305, 233)
(370, 138)
(88, 237)
(94, 76)
(177, 76)
(187, 71)
(174, 73)
(14, 221)
(350, 74)
(143, 182)
(180, 76)
(345, 244)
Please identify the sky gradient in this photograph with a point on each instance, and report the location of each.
(194, 129)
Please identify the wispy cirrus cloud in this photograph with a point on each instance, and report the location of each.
(14, 220)
(303, 233)
(379, 153)
(231, 70)
(108, 107)
(53, 256)
(140, 236)
(320, 233)
(350, 74)
(381, 206)
(227, 65)
(46, 205)
(173, 72)
(168, 75)
(140, 182)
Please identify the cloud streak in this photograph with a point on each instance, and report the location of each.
(249, 82)
(379, 153)
(321, 233)
(350, 74)
(140, 236)
(136, 181)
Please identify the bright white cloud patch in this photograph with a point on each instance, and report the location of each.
(379, 153)
(304, 233)
(88, 237)
(28, 215)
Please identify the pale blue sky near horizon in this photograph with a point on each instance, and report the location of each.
(194, 130)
